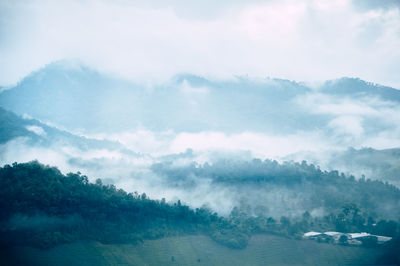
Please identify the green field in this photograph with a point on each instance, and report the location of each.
(194, 250)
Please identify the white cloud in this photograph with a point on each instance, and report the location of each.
(347, 125)
(188, 89)
(358, 122)
(260, 145)
(96, 163)
(37, 130)
(19, 150)
(326, 104)
(214, 144)
(143, 141)
(300, 40)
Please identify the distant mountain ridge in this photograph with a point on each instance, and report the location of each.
(13, 126)
(358, 87)
(81, 99)
(59, 93)
(347, 112)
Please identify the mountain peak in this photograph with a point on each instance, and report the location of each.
(356, 86)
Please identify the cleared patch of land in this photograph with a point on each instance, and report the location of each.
(194, 250)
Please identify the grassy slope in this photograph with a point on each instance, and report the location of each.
(262, 250)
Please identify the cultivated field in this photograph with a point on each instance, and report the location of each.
(194, 250)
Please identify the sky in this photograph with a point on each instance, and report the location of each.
(151, 41)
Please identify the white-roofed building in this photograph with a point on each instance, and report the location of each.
(333, 233)
(348, 238)
(358, 235)
(311, 234)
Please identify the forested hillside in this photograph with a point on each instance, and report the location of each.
(41, 207)
(296, 186)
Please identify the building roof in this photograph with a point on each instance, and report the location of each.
(331, 233)
(358, 235)
(308, 234)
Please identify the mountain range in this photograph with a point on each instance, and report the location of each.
(78, 98)
(346, 124)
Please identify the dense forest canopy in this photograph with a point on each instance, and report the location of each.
(42, 207)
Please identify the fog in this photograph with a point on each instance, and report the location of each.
(150, 94)
(164, 166)
(300, 40)
(168, 163)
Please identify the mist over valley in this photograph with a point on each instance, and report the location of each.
(232, 133)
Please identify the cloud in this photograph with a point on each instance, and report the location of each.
(135, 172)
(298, 40)
(96, 163)
(37, 130)
(20, 150)
(357, 122)
(216, 144)
(347, 125)
(260, 145)
(188, 89)
(326, 104)
(125, 170)
(142, 140)
(363, 121)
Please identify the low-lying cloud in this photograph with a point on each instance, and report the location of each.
(365, 121)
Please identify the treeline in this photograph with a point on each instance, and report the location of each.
(349, 219)
(41, 207)
(314, 188)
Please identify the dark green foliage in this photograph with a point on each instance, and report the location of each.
(370, 241)
(392, 253)
(385, 228)
(40, 206)
(314, 188)
(343, 239)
